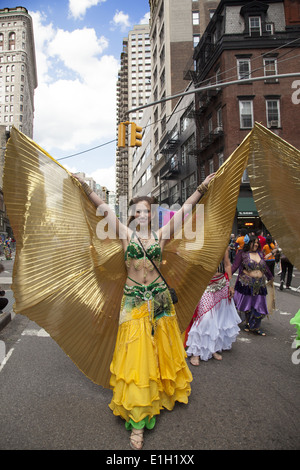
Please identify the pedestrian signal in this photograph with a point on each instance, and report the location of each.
(136, 135)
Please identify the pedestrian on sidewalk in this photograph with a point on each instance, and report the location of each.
(239, 242)
(261, 238)
(250, 288)
(214, 326)
(3, 299)
(269, 250)
(232, 248)
(286, 269)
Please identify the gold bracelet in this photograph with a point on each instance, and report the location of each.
(86, 188)
(202, 188)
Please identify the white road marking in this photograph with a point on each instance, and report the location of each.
(6, 358)
(243, 340)
(32, 332)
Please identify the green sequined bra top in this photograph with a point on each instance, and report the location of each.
(135, 253)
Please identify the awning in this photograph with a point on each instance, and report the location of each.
(246, 207)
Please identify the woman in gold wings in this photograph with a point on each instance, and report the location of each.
(69, 272)
(149, 371)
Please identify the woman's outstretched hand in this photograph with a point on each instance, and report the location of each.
(78, 178)
(208, 179)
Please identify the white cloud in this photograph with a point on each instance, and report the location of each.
(77, 8)
(145, 19)
(121, 20)
(42, 35)
(75, 101)
(105, 177)
(75, 84)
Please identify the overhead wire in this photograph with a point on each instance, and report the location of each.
(279, 60)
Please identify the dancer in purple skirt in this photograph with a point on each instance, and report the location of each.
(250, 288)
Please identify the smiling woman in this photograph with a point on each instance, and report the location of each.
(250, 288)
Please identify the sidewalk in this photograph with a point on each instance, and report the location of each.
(7, 314)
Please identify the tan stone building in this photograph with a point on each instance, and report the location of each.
(133, 89)
(18, 80)
(18, 73)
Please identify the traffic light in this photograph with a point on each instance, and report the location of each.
(122, 134)
(136, 135)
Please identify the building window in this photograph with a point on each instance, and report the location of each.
(270, 68)
(148, 172)
(255, 26)
(245, 177)
(186, 119)
(188, 186)
(246, 114)
(243, 68)
(221, 159)
(210, 124)
(11, 41)
(273, 114)
(187, 148)
(219, 118)
(270, 28)
(196, 39)
(196, 18)
(202, 172)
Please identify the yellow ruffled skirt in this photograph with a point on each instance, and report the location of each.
(149, 370)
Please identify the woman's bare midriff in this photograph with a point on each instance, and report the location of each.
(256, 273)
(139, 275)
(139, 278)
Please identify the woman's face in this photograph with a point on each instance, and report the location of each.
(255, 245)
(143, 213)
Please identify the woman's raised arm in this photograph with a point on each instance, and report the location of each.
(168, 230)
(103, 209)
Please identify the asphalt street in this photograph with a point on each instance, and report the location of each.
(248, 401)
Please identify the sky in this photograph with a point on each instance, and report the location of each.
(78, 45)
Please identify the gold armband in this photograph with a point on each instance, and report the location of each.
(202, 188)
(86, 189)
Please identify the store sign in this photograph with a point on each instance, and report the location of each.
(246, 207)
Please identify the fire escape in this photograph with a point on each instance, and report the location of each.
(171, 169)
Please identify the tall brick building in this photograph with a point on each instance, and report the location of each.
(246, 39)
(176, 27)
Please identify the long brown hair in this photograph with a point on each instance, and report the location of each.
(151, 200)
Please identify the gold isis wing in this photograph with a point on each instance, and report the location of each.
(70, 282)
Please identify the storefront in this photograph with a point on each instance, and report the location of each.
(247, 215)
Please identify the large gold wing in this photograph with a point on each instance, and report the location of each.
(274, 171)
(64, 278)
(273, 166)
(70, 282)
(188, 265)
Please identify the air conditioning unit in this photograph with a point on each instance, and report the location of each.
(218, 130)
(273, 123)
